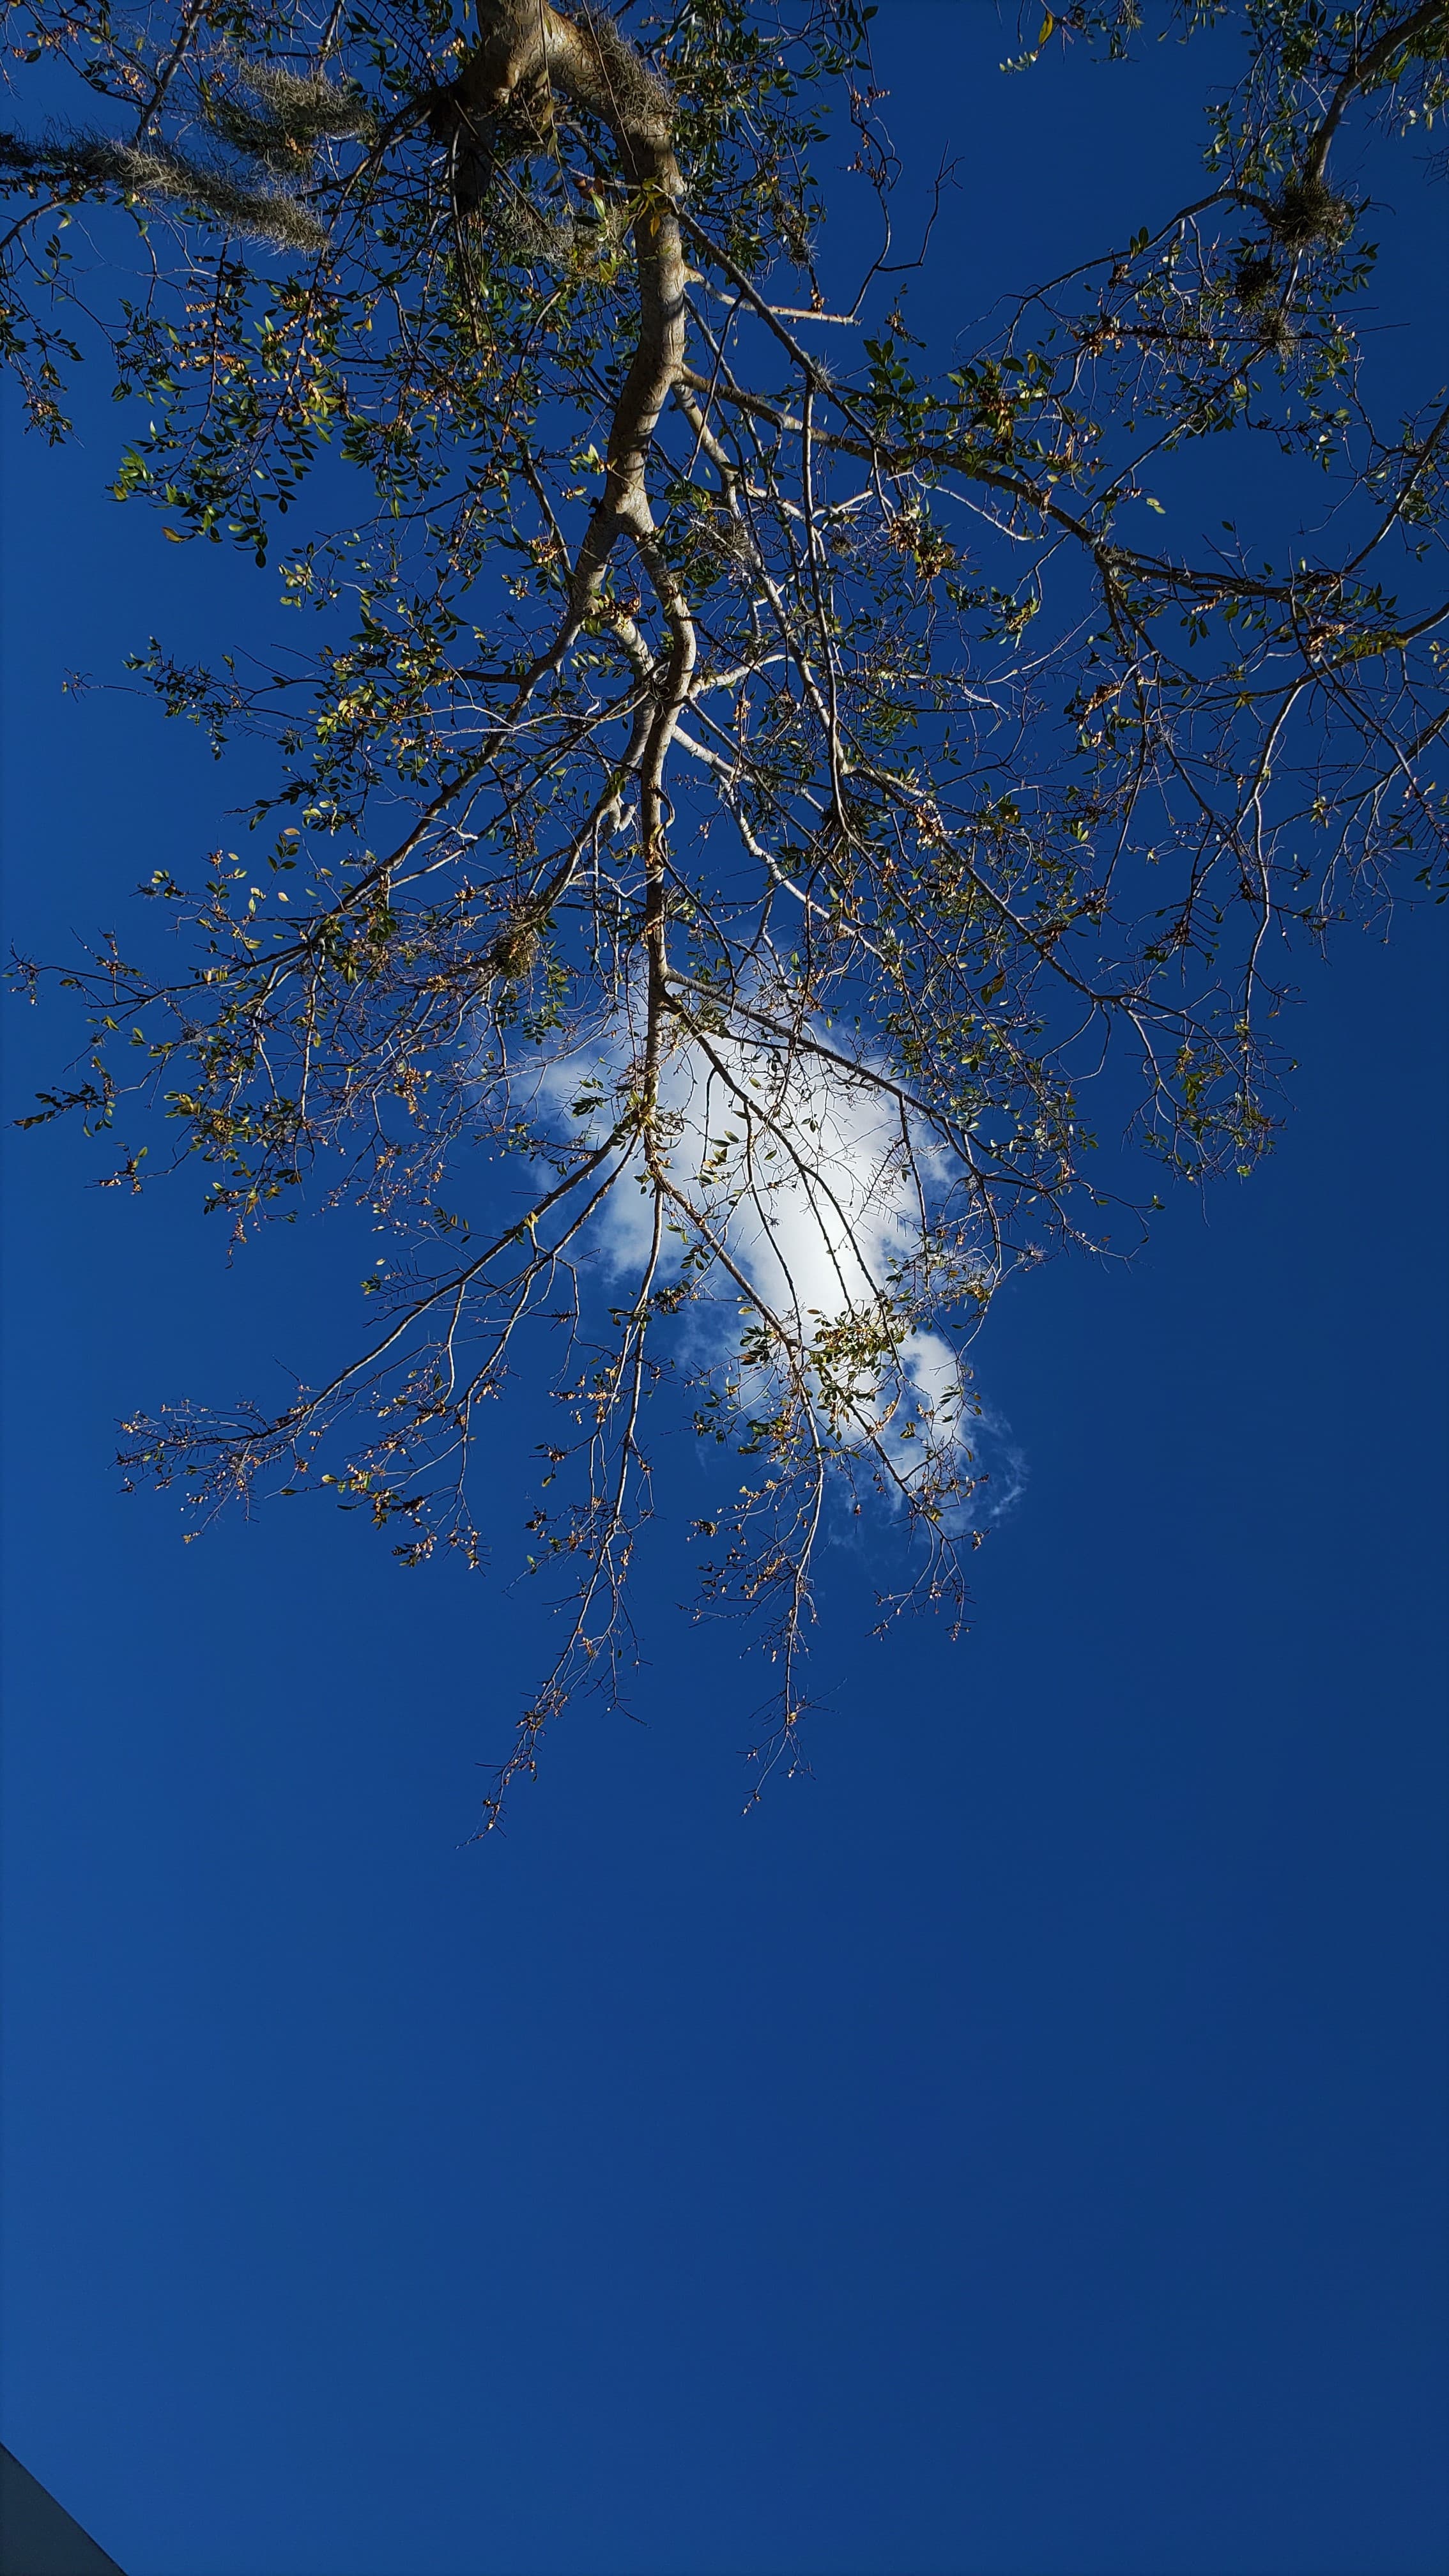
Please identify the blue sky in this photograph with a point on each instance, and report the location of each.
(1017, 2148)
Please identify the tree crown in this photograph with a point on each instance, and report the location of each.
(759, 788)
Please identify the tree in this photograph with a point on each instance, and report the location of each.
(765, 802)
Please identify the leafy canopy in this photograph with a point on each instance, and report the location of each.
(764, 799)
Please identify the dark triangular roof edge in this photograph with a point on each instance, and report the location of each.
(37, 2536)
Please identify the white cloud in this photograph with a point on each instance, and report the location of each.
(815, 1182)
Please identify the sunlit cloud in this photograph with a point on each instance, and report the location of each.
(817, 1186)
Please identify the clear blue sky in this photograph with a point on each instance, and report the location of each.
(1019, 2149)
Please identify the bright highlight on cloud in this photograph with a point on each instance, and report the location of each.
(813, 1181)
